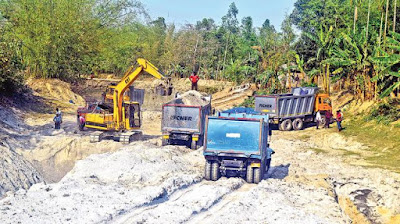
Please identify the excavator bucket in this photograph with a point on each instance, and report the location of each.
(164, 88)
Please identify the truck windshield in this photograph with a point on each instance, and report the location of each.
(327, 101)
(233, 136)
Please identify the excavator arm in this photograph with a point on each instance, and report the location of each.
(129, 77)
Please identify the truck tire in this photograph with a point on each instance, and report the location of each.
(286, 125)
(215, 171)
(249, 174)
(193, 145)
(298, 124)
(258, 174)
(207, 170)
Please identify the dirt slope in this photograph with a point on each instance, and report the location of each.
(231, 97)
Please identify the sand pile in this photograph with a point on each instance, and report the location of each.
(192, 98)
(16, 172)
(56, 91)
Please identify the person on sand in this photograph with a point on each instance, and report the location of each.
(194, 78)
(339, 118)
(328, 116)
(318, 118)
(81, 122)
(57, 121)
(58, 112)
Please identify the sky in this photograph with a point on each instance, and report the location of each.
(181, 12)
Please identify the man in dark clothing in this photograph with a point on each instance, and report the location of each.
(328, 116)
(57, 121)
(194, 78)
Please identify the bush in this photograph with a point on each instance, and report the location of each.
(386, 111)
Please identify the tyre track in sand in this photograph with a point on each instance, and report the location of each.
(184, 204)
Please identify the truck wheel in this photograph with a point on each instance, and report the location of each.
(207, 170)
(287, 125)
(249, 174)
(280, 126)
(215, 171)
(298, 124)
(258, 174)
(193, 146)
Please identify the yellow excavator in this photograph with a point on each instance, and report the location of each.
(118, 116)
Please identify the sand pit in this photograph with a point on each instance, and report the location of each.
(15, 172)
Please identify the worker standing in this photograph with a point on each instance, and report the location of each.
(58, 112)
(328, 116)
(82, 122)
(318, 118)
(339, 118)
(194, 78)
(57, 121)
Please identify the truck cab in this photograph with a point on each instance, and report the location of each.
(237, 145)
(323, 102)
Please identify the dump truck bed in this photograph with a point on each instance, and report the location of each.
(297, 104)
(184, 118)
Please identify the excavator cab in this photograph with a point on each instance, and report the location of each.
(132, 116)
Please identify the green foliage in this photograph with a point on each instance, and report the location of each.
(11, 78)
(249, 102)
(340, 41)
(308, 84)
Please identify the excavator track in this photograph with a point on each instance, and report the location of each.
(127, 137)
(96, 136)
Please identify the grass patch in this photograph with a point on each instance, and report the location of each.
(304, 137)
(349, 153)
(383, 141)
(318, 150)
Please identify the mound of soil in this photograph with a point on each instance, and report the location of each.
(192, 98)
(56, 92)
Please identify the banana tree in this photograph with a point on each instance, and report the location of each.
(324, 40)
(351, 54)
(388, 66)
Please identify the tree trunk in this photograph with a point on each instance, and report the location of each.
(327, 82)
(386, 20)
(380, 31)
(394, 15)
(355, 18)
(226, 50)
(369, 10)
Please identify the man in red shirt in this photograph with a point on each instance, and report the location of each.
(194, 78)
(339, 118)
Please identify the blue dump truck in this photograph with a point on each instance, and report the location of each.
(236, 144)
